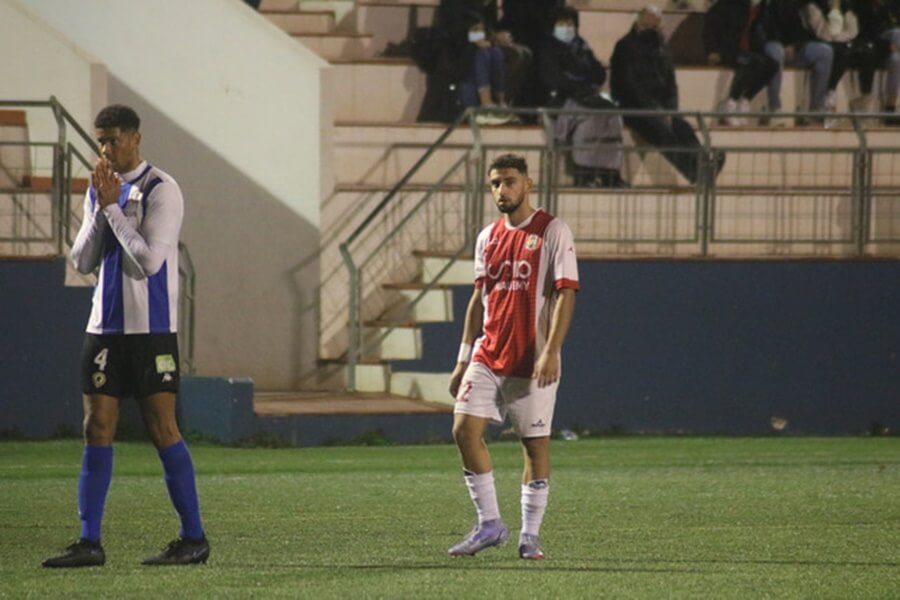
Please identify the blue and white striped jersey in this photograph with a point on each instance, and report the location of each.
(135, 245)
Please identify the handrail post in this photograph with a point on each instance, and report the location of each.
(58, 177)
(469, 204)
(860, 195)
(705, 187)
(548, 170)
(477, 162)
(353, 330)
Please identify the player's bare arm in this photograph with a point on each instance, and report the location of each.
(471, 329)
(546, 370)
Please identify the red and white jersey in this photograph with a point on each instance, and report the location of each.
(519, 270)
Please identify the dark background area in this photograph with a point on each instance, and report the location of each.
(706, 347)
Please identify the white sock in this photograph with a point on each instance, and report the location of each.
(534, 503)
(483, 494)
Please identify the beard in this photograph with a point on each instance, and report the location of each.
(511, 206)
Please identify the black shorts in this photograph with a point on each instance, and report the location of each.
(129, 366)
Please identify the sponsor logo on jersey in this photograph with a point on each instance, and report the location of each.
(99, 379)
(532, 242)
(510, 275)
(165, 363)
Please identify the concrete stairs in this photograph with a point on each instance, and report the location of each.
(401, 340)
(27, 209)
(376, 141)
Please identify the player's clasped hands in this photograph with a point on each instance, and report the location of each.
(106, 182)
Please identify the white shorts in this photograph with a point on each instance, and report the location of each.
(483, 393)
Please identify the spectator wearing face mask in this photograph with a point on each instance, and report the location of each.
(484, 81)
(572, 76)
(447, 57)
(643, 78)
(567, 67)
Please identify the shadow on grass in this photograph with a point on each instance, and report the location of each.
(626, 565)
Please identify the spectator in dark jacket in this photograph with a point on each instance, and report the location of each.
(876, 46)
(567, 67)
(643, 78)
(733, 34)
(467, 63)
(572, 76)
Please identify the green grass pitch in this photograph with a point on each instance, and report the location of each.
(628, 518)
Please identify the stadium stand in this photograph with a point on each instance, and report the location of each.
(377, 143)
(783, 192)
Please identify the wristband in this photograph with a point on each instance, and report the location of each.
(465, 353)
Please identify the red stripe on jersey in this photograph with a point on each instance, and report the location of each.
(512, 294)
(567, 283)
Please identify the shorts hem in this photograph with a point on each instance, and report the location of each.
(461, 409)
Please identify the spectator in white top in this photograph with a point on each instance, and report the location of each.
(832, 21)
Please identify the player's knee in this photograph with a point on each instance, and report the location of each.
(536, 448)
(164, 435)
(99, 429)
(463, 435)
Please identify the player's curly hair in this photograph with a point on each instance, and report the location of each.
(118, 115)
(510, 161)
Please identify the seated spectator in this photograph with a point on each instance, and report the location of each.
(483, 81)
(833, 22)
(446, 56)
(789, 43)
(464, 67)
(567, 67)
(436, 55)
(643, 78)
(877, 45)
(526, 21)
(519, 61)
(572, 76)
(733, 34)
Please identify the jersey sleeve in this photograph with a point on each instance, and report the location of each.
(564, 262)
(88, 245)
(480, 244)
(149, 243)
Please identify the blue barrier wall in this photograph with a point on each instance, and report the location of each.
(677, 346)
(41, 329)
(722, 347)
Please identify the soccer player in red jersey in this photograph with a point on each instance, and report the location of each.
(526, 276)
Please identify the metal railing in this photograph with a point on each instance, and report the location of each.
(768, 198)
(50, 220)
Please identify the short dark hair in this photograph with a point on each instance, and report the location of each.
(510, 161)
(564, 13)
(118, 115)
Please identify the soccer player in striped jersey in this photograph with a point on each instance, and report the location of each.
(132, 219)
(526, 277)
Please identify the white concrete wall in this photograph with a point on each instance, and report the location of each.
(238, 113)
(39, 63)
(225, 74)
